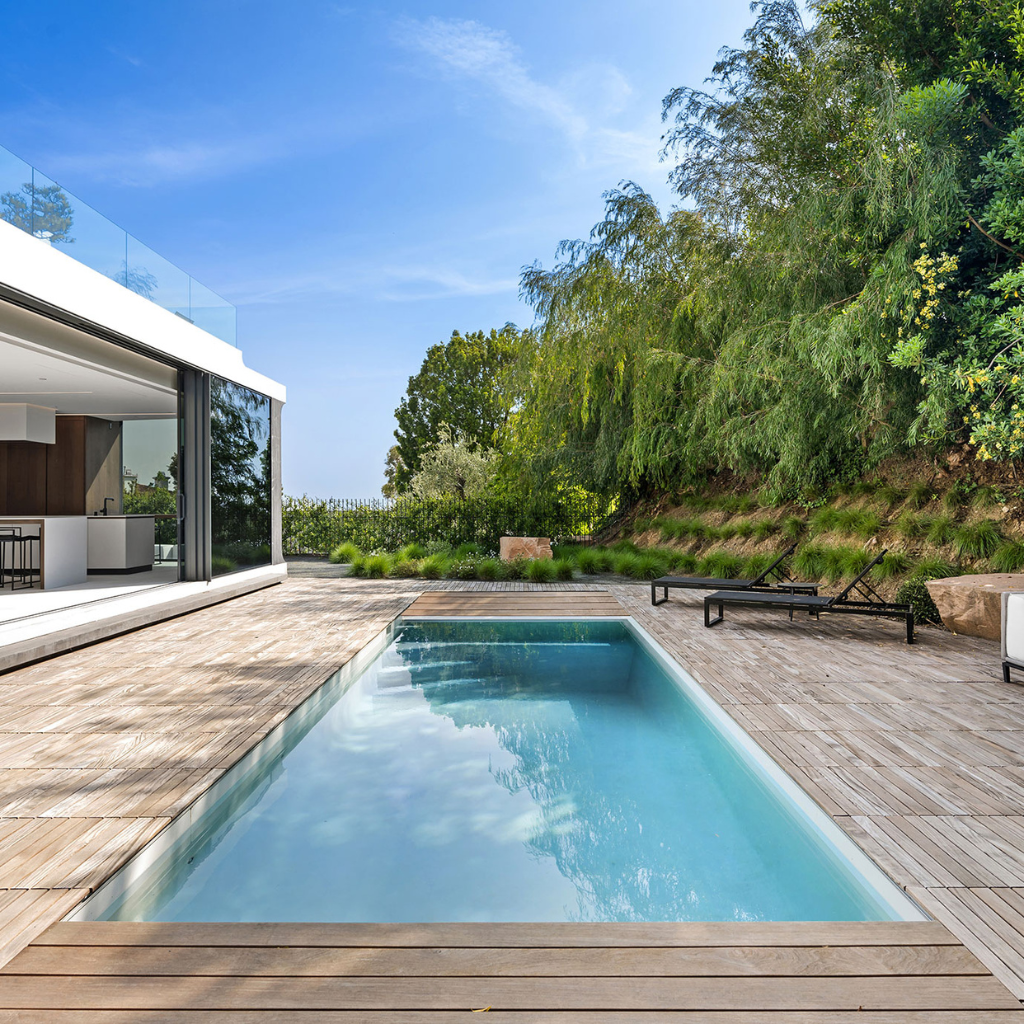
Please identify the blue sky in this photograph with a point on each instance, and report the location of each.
(359, 178)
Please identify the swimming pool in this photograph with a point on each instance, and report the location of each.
(470, 770)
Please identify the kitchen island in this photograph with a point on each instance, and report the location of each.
(120, 544)
(61, 554)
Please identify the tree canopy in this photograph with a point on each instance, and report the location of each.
(466, 385)
(841, 281)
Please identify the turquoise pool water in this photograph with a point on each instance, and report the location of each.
(503, 771)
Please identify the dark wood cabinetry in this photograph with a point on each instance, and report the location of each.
(68, 478)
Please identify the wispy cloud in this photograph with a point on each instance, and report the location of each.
(144, 163)
(385, 282)
(578, 106)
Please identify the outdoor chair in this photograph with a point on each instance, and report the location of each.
(859, 598)
(758, 583)
(1012, 633)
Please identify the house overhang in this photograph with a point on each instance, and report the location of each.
(36, 276)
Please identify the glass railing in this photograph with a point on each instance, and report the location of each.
(34, 203)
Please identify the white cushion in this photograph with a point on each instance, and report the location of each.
(1015, 627)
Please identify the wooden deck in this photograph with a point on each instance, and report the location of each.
(916, 751)
(515, 604)
(797, 973)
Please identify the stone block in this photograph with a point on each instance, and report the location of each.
(525, 547)
(971, 604)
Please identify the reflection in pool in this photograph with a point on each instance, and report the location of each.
(504, 771)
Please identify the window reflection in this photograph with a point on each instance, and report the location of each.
(240, 476)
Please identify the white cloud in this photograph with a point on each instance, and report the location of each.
(472, 50)
(386, 282)
(577, 107)
(146, 164)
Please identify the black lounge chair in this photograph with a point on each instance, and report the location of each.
(758, 583)
(864, 601)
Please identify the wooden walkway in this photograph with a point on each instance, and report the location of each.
(514, 604)
(918, 752)
(594, 974)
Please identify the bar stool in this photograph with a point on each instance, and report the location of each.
(22, 568)
(10, 539)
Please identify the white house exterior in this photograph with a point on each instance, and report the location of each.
(140, 471)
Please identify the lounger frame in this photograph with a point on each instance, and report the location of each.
(865, 601)
(759, 583)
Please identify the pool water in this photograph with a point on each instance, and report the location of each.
(506, 771)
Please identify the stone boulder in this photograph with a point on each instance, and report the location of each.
(525, 547)
(971, 604)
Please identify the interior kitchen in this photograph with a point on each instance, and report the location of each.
(88, 455)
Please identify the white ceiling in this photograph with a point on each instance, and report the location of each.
(49, 364)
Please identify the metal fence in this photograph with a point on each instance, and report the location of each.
(316, 525)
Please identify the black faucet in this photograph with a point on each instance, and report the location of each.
(105, 500)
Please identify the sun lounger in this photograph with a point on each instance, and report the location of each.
(762, 582)
(857, 599)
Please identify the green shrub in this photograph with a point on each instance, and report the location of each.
(977, 540)
(566, 551)
(824, 520)
(1008, 557)
(490, 569)
(910, 525)
(563, 568)
(954, 498)
(860, 522)
(940, 530)
(625, 545)
(344, 554)
(723, 532)
(682, 562)
(404, 568)
(744, 527)
(540, 570)
(919, 494)
(720, 564)
(515, 569)
(433, 567)
(219, 565)
(649, 566)
(864, 488)
(986, 496)
(764, 528)
(811, 562)
(624, 562)
(844, 563)
(411, 552)
(462, 568)
(792, 527)
(895, 563)
(376, 567)
(595, 560)
(468, 550)
(755, 565)
(889, 495)
(915, 592)
(935, 569)
(734, 503)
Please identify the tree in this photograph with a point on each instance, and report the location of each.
(466, 384)
(453, 467)
(45, 211)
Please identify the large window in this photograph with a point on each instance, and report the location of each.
(240, 476)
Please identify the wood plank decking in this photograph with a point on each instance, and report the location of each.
(512, 604)
(894, 972)
(917, 752)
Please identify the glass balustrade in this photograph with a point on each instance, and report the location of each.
(42, 208)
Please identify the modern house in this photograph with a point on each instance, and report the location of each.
(139, 455)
